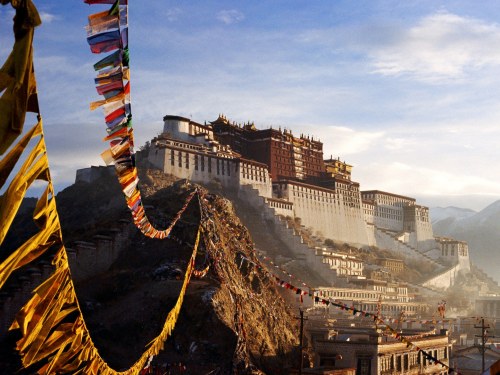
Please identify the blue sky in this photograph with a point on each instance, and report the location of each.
(406, 92)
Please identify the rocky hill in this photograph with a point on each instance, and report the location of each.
(233, 320)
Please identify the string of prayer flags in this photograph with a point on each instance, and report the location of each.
(35, 167)
(352, 309)
(201, 273)
(107, 31)
(270, 261)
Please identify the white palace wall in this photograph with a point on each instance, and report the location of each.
(445, 279)
(325, 211)
(190, 162)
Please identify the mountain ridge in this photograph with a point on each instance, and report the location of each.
(481, 230)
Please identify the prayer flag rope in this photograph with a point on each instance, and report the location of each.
(107, 31)
(284, 271)
(386, 319)
(356, 312)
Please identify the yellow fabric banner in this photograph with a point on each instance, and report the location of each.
(10, 160)
(13, 196)
(67, 347)
(17, 76)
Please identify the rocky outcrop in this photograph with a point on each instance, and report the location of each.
(233, 320)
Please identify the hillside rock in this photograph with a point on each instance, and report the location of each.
(233, 320)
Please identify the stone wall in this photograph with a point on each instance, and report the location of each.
(205, 168)
(90, 258)
(445, 279)
(325, 212)
(85, 259)
(93, 173)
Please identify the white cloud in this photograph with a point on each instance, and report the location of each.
(230, 16)
(412, 179)
(441, 47)
(344, 142)
(47, 17)
(173, 14)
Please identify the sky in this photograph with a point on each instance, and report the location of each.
(406, 92)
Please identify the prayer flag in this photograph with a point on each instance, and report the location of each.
(125, 37)
(113, 59)
(96, 18)
(104, 37)
(107, 156)
(102, 89)
(105, 42)
(106, 46)
(105, 25)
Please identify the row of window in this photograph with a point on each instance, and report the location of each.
(343, 263)
(223, 167)
(387, 199)
(280, 205)
(461, 252)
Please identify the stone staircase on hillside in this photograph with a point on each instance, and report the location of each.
(406, 248)
(273, 235)
(287, 242)
(426, 290)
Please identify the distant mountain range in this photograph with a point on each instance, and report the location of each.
(480, 229)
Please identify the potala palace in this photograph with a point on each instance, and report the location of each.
(293, 179)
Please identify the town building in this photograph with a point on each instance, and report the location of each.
(372, 352)
(488, 306)
(395, 266)
(389, 299)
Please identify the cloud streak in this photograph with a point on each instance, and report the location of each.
(441, 47)
(230, 16)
